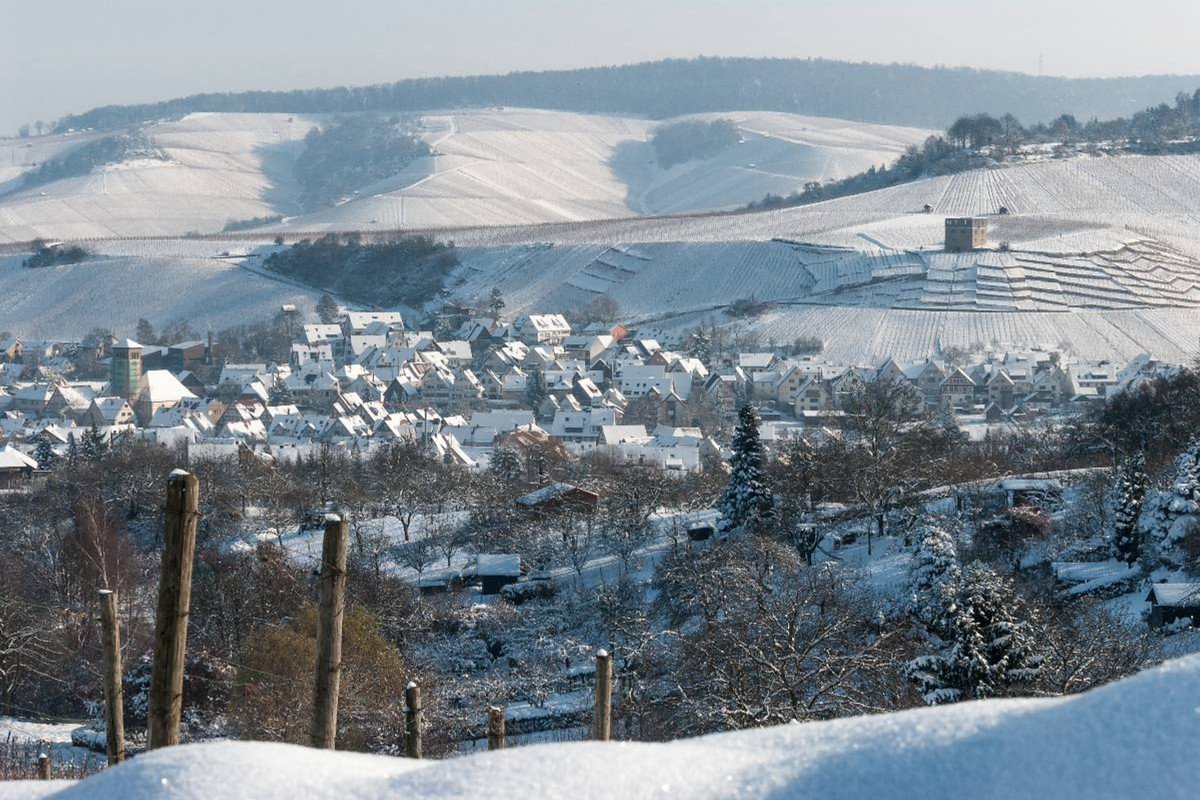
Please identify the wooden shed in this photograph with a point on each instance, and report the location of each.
(497, 570)
(1173, 601)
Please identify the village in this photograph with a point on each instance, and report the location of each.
(651, 398)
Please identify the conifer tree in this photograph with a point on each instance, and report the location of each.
(535, 389)
(44, 455)
(989, 651)
(1130, 493)
(1172, 513)
(747, 503)
(279, 394)
(496, 303)
(933, 569)
(506, 465)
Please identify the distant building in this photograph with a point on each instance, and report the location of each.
(964, 234)
(126, 369)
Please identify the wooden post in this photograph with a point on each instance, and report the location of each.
(114, 698)
(412, 720)
(602, 715)
(329, 634)
(495, 728)
(174, 598)
(44, 767)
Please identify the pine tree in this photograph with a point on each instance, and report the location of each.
(933, 569)
(506, 465)
(327, 309)
(699, 345)
(747, 503)
(989, 650)
(496, 303)
(72, 451)
(44, 455)
(94, 446)
(1130, 493)
(1170, 514)
(535, 389)
(279, 394)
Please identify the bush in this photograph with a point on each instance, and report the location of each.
(748, 308)
(523, 592)
(273, 689)
(45, 255)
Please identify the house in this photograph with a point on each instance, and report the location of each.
(1028, 491)
(158, 389)
(106, 412)
(1170, 602)
(497, 570)
(556, 497)
(15, 466)
(536, 329)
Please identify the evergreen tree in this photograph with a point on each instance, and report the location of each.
(506, 465)
(1130, 493)
(535, 389)
(94, 447)
(72, 451)
(699, 344)
(747, 503)
(989, 650)
(327, 309)
(1171, 514)
(44, 455)
(496, 303)
(279, 394)
(933, 569)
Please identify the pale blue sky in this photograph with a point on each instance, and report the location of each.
(69, 55)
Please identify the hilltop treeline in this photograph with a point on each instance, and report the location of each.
(402, 270)
(352, 152)
(977, 140)
(892, 93)
(85, 158)
(682, 141)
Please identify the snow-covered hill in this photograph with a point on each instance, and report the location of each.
(1130, 739)
(217, 168)
(489, 167)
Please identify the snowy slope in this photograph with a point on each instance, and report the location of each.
(219, 167)
(114, 292)
(1130, 739)
(526, 166)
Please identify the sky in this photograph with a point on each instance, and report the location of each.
(66, 56)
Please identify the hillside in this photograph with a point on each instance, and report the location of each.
(887, 93)
(1128, 739)
(115, 291)
(216, 168)
(488, 167)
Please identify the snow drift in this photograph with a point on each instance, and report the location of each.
(1131, 739)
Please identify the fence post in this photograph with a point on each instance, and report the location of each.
(44, 767)
(602, 715)
(174, 598)
(329, 634)
(412, 720)
(114, 698)
(495, 728)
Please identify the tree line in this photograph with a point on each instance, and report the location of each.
(888, 93)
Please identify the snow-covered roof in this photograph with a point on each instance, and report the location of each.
(1174, 594)
(498, 564)
(11, 459)
(160, 386)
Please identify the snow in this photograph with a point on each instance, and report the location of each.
(1129, 739)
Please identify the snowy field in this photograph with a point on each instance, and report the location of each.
(1129, 739)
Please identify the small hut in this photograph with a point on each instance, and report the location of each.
(1173, 601)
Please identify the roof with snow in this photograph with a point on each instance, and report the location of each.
(498, 564)
(1175, 594)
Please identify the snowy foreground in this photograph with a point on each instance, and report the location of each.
(1132, 739)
